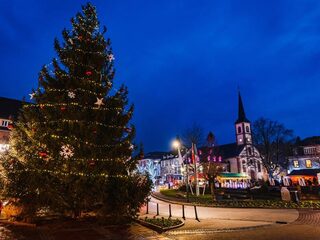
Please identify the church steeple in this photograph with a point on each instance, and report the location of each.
(241, 113)
(243, 128)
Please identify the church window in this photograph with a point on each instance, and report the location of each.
(244, 168)
(308, 163)
(296, 164)
(228, 167)
(247, 129)
(239, 129)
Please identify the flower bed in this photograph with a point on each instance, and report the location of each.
(161, 224)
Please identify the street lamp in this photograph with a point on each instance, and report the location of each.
(177, 144)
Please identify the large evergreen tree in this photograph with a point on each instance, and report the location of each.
(71, 148)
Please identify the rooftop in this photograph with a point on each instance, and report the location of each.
(9, 107)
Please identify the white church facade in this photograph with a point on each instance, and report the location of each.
(243, 156)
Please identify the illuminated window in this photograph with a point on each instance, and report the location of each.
(4, 123)
(308, 163)
(296, 164)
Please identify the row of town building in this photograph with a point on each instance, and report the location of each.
(240, 161)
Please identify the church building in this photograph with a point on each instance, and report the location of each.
(242, 156)
(241, 160)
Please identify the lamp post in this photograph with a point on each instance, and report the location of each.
(177, 144)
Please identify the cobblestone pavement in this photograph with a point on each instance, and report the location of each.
(79, 232)
(310, 217)
(306, 227)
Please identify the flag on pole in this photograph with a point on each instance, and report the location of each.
(194, 153)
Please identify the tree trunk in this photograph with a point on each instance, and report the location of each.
(212, 191)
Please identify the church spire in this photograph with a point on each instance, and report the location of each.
(241, 113)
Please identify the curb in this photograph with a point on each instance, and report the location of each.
(208, 231)
(21, 224)
(180, 203)
(166, 199)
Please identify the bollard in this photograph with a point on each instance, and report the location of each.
(170, 211)
(147, 207)
(183, 216)
(196, 214)
(157, 209)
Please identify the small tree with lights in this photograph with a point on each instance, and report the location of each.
(212, 163)
(71, 148)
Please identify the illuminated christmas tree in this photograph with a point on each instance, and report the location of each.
(71, 148)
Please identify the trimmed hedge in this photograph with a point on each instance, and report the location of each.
(172, 194)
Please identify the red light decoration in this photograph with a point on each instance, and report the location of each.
(129, 130)
(63, 108)
(43, 154)
(88, 73)
(10, 126)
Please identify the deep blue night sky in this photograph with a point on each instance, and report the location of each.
(183, 60)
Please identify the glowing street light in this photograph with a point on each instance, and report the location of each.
(176, 144)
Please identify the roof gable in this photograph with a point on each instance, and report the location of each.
(9, 107)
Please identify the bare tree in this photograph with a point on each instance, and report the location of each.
(274, 143)
(211, 171)
(193, 134)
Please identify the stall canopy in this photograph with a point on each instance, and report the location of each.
(233, 176)
(303, 175)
